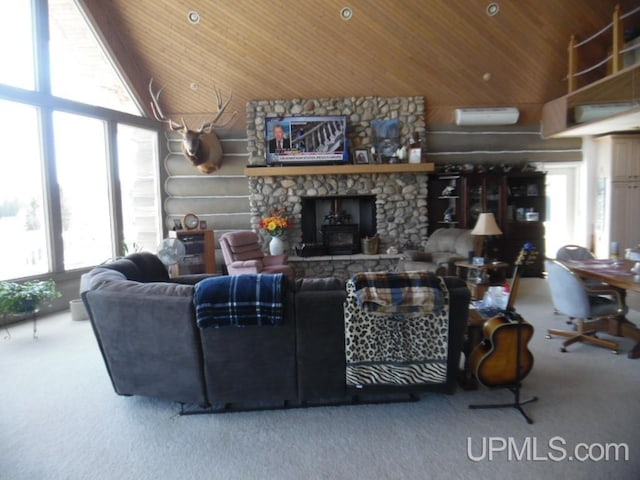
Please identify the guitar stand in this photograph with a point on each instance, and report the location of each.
(517, 404)
(515, 389)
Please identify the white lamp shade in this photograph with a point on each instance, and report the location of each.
(486, 225)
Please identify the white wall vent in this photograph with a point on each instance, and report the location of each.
(487, 116)
(588, 113)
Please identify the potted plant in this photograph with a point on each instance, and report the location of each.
(26, 297)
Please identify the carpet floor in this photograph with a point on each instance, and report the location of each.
(60, 419)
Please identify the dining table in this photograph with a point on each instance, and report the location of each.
(622, 274)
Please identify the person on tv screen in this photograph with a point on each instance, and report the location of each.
(279, 142)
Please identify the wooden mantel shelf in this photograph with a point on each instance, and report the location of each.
(338, 169)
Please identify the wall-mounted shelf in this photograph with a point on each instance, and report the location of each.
(339, 169)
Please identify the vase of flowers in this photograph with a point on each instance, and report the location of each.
(276, 225)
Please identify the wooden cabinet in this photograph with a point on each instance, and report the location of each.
(617, 193)
(200, 251)
(517, 200)
(524, 216)
(483, 192)
(444, 201)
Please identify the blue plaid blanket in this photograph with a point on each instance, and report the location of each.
(239, 300)
(403, 292)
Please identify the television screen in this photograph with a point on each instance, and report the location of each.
(306, 140)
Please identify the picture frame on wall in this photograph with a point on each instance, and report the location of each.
(361, 156)
(415, 155)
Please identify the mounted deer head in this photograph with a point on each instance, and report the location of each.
(202, 147)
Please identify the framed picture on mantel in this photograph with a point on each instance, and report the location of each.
(415, 155)
(361, 156)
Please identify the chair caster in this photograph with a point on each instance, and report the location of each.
(615, 352)
(563, 350)
(548, 336)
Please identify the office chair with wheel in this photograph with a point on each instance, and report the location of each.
(574, 252)
(572, 297)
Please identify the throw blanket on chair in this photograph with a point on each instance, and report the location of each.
(239, 300)
(398, 292)
(396, 347)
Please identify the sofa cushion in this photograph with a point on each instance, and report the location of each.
(319, 284)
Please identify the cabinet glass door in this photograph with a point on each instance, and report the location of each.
(474, 199)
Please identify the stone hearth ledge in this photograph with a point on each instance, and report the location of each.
(354, 257)
(343, 266)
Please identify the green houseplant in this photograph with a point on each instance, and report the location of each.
(26, 297)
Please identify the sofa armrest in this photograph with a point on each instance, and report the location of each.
(149, 339)
(193, 278)
(270, 260)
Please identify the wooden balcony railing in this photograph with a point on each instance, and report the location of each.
(614, 60)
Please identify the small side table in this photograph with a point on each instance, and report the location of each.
(480, 277)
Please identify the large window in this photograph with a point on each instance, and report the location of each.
(24, 249)
(78, 184)
(16, 45)
(79, 68)
(138, 173)
(81, 163)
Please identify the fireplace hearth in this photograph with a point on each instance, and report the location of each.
(338, 222)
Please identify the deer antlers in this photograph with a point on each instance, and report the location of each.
(175, 126)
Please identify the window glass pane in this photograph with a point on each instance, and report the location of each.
(80, 150)
(80, 70)
(23, 250)
(138, 170)
(16, 45)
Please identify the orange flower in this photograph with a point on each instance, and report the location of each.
(276, 224)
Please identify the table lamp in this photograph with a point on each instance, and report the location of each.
(485, 227)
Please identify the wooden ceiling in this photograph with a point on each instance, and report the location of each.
(451, 52)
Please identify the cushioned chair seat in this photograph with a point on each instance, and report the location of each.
(444, 247)
(242, 254)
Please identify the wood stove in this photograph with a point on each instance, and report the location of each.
(338, 222)
(341, 239)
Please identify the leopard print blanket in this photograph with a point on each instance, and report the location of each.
(395, 348)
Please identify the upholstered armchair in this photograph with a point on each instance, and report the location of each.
(242, 254)
(444, 247)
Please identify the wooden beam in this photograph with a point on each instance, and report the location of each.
(573, 64)
(618, 41)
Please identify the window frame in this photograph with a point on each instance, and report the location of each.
(45, 103)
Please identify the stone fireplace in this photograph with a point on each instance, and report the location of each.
(398, 200)
(398, 196)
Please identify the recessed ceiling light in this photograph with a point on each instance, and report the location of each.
(193, 17)
(194, 86)
(493, 9)
(346, 13)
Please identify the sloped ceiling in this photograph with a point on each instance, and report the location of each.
(451, 52)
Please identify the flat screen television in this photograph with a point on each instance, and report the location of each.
(306, 140)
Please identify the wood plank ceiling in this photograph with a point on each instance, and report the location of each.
(453, 53)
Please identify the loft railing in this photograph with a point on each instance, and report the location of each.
(616, 56)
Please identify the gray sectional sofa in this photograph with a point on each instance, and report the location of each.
(145, 326)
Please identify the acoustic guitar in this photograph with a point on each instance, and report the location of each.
(503, 357)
